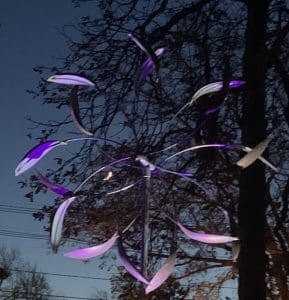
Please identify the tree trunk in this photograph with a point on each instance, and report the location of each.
(252, 206)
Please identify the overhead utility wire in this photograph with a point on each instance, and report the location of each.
(45, 295)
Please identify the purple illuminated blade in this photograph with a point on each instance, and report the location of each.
(87, 253)
(214, 87)
(62, 191)
(236, 83)
(145, 48)
(128, 265)
(57, 223)
(148, 66)
(139, 43)
(186, 176)
(206, 238)
(144, 161)
(162, 275)
(253, 155)
(159, 52)
(146, 69)
(35, 154)
(212, 110)
(211, 88)
(226, 214)
(74, 111)
(70, 79)
(125, 188)
(221, 146)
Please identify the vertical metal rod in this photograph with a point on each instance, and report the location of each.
(145, 228)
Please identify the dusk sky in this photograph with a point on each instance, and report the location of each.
(29, 37)
(206, 44)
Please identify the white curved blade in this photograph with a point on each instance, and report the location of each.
(215, 87)
(224, 146)
(200, 147)
(144, 161)
(162, 275)
(57, 224)
(70, 79)
(209, 89)
(205, 237)
(122, 189)
(235, 251)
(87, 253)
(74, 112)
(253, 155)
(263, 160)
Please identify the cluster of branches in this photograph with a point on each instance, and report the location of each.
(19, 280)
(198, 37)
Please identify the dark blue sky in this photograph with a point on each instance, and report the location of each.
(29, 37)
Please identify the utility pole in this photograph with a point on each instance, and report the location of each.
(252, 205)
(145, 227)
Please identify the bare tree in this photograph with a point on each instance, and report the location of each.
(7, 260)
(21, 281)
(199, 37)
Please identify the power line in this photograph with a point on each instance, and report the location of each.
(56, 296)
(19, 206)
(18, 209)
(48, 295)
(35, 236)
(193, 285)
(63, 275)
(14, 232)
(103, 278)
(32, 236)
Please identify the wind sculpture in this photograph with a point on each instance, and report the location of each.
(32, 157)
